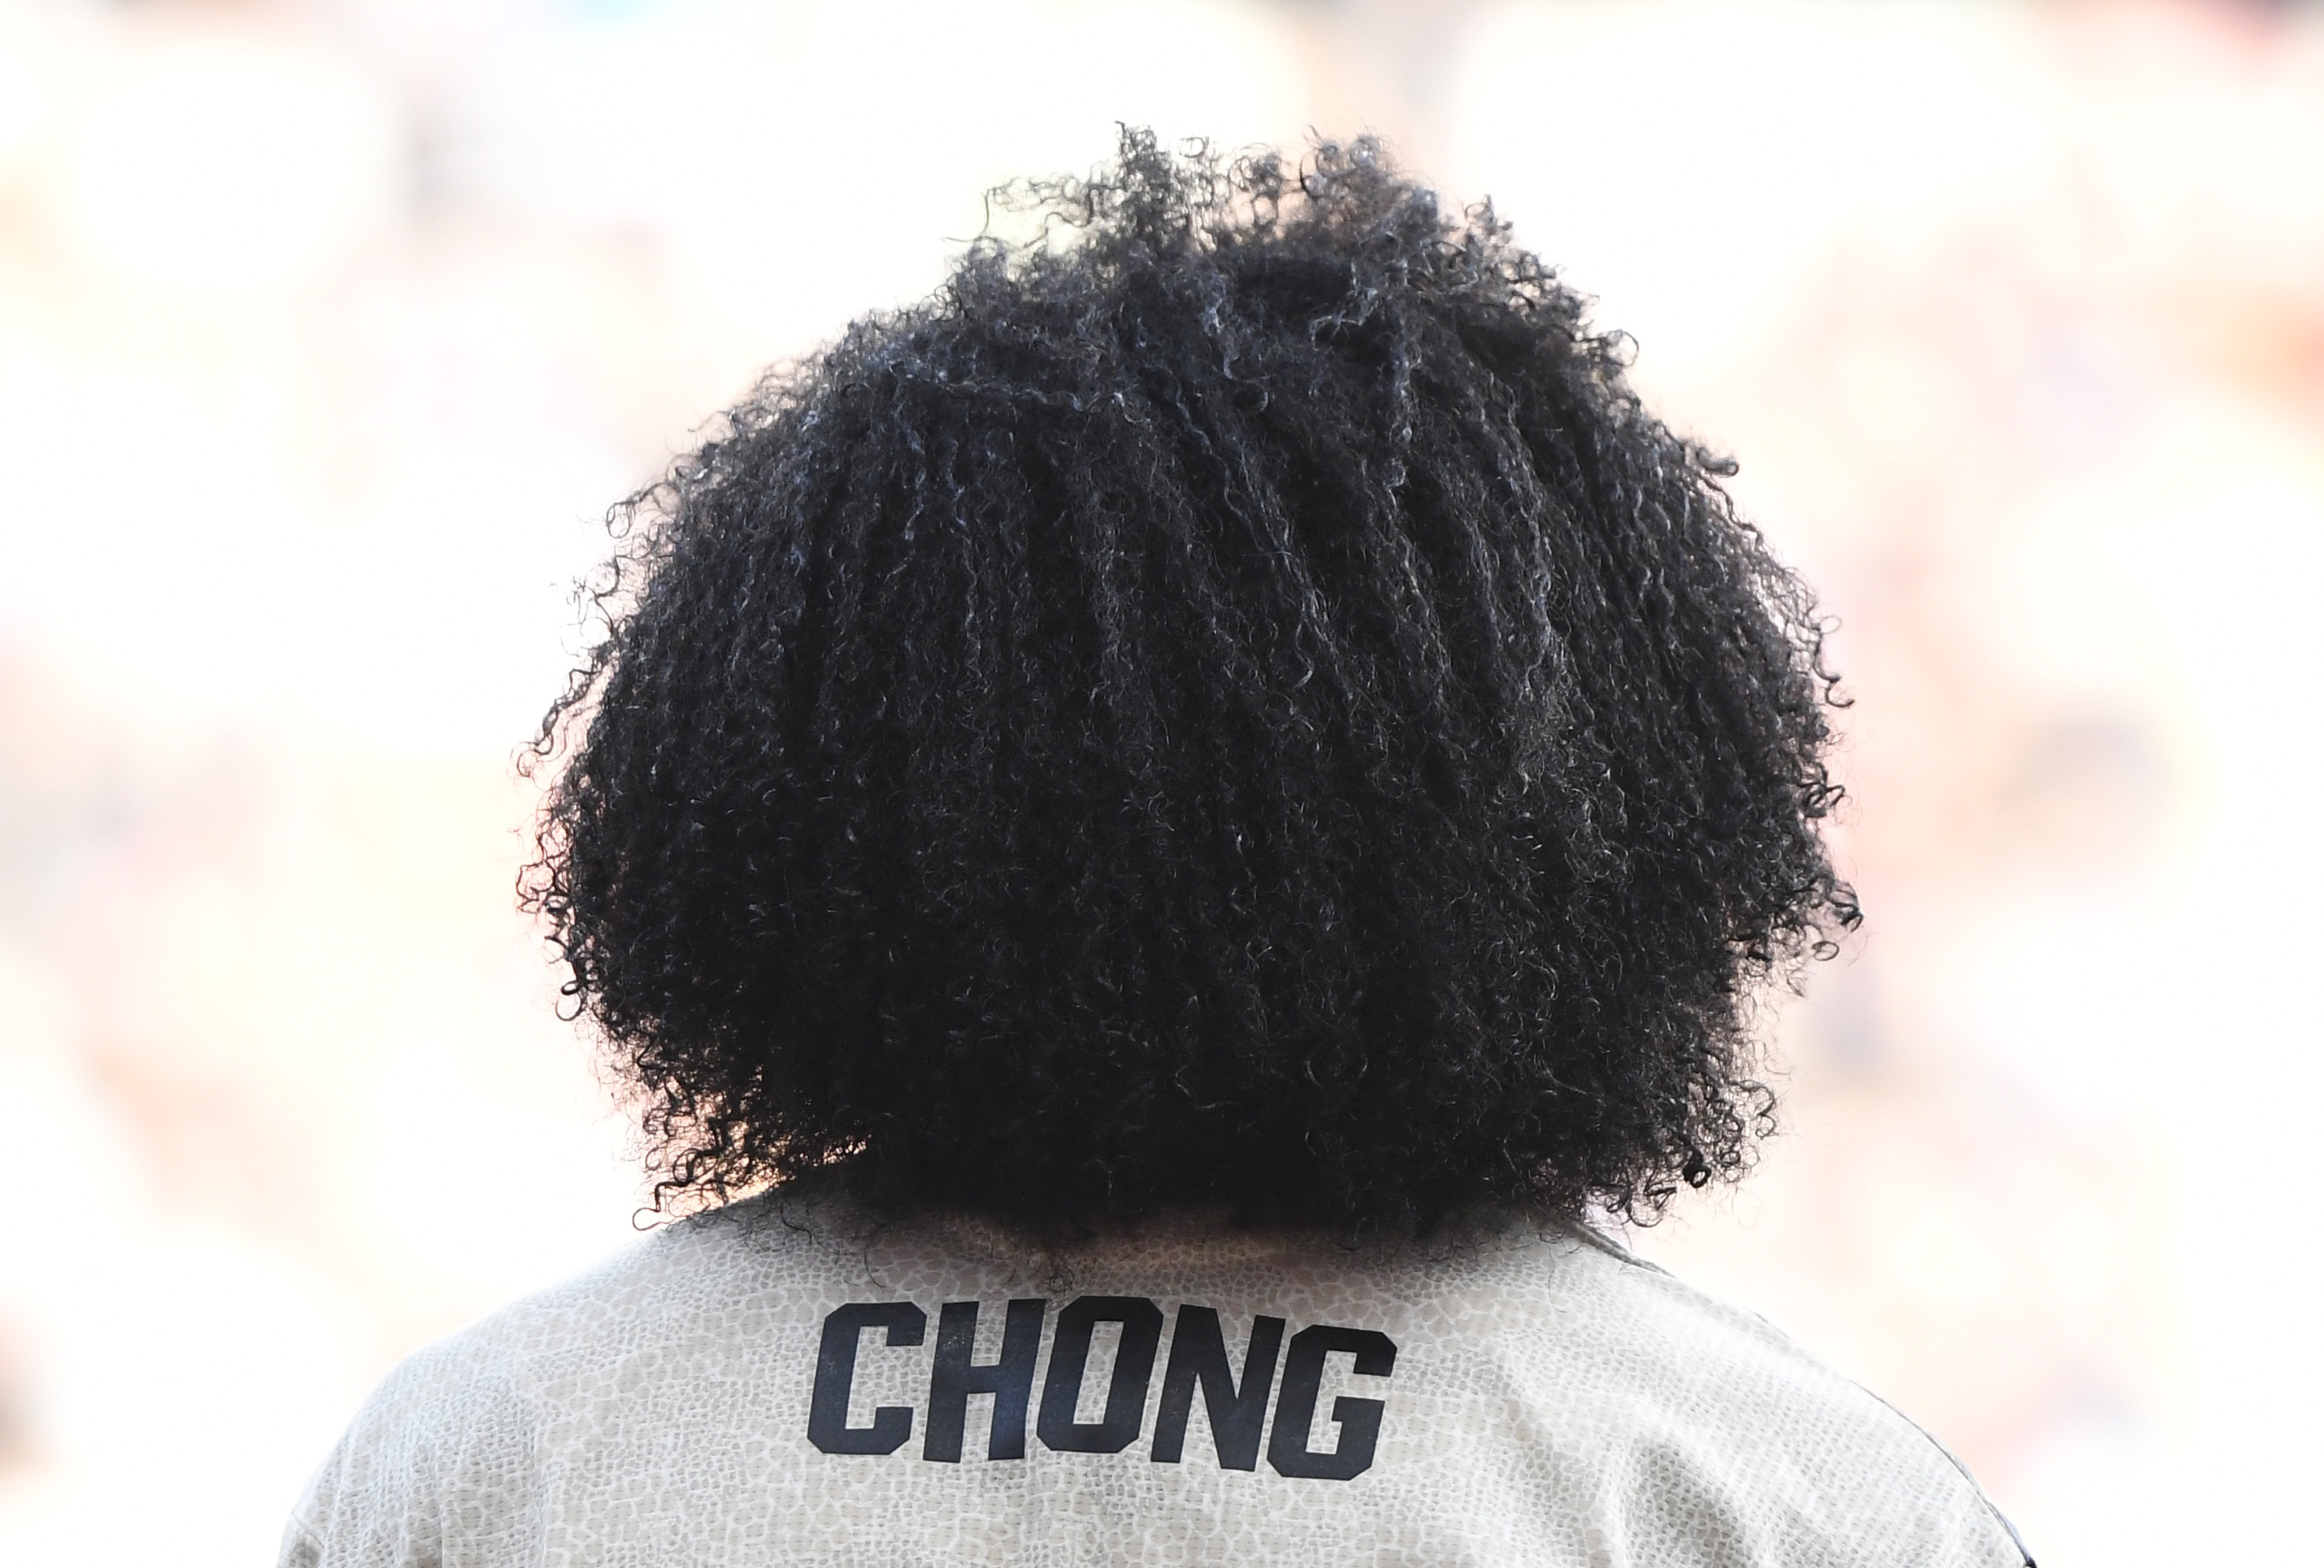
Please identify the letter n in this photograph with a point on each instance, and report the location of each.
(1198, 1354)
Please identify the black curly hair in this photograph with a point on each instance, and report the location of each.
(1230, 703)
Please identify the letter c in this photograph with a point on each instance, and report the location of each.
(835, 1378)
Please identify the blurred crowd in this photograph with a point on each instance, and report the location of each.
(329, 329)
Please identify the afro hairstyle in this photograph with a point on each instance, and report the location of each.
(1231, 703)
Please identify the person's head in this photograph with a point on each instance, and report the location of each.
(1230, 704)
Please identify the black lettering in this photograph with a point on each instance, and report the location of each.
(835, 1378)
(1295, 1408)
(1009, 1379)
(1198, 1354)
(1125, 1396)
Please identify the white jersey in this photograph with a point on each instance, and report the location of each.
(785, 1386)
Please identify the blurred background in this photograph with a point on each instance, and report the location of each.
(328, 328)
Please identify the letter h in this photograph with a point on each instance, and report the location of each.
(957, 1375)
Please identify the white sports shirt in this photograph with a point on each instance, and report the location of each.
(787, 1385)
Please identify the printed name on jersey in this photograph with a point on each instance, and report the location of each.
(1235, 1403)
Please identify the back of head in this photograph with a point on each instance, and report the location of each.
(1230, 704)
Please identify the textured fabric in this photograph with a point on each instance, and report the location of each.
(764, 1386)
